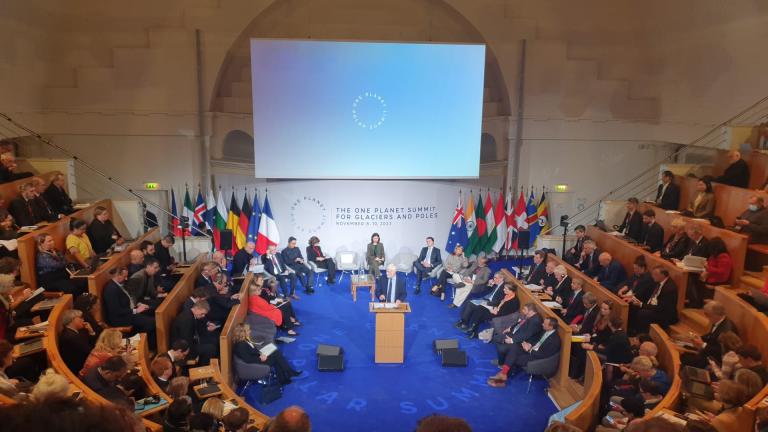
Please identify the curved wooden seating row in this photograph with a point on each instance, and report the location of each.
(669, 361)
(257, 418)
(561, 386)
(10, 191)
(756, 160)
(144, 360)
(170, 307)
(57, 363)
(591, 286)
(59, 230)
(236, 316)
(99, 279)
(735, 243)
(585, 415)
(730, 201)
(626, 253)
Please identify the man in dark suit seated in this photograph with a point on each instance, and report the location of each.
(57, 196)
(8, 169)
(275, 266)
(697, 245)
(492, 299)
(429, 258)
(202, 335)
(390, 287)
(754, 221)
(525, 328)
(661, 307)
(573, 254)
(135, 262)
(547, 345)
(76, 340)
(293, 259)
(708, 346)
(120, 310)
(573, 311)
(538, 268)
(144, 285)
(163, 254)
(632, 226)
(243, 259)
(102, 232)
(23, 208)
(737, 173)
(589, 263)
(668, 193)
(612, 274)
(653, 233)
(103, 380)
(43, 208)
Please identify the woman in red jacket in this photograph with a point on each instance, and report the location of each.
(719, 264)
(277, 310)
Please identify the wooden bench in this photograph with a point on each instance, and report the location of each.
(585, 415)
(236, 316)
(101, 277)
(756, 160)
(257, 418)
(626, 253)
(11, 190)
(730, 201)
(55, 325)
(144, 361)
(171, 305)
(669, 361)
(735, 243)
(602, 293)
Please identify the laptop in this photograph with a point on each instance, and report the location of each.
(760, 298)
(692, 262)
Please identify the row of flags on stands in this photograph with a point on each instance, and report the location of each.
(210, 215)
(485, 227)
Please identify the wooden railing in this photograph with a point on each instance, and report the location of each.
(669, 361)
(171, 305)
(585, 415)
(258, 418)
(236, 316)
(730, 201)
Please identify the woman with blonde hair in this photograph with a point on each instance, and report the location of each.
(51, 386)
(109, 344)
(249, 351)
(214, 407)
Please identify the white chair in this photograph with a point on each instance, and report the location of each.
(346, 262)
(318, 271)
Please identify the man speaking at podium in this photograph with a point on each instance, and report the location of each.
(389, 287)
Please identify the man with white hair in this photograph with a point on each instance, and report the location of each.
(612, 273)
(389, 287)
(8, 169)
(737, 173)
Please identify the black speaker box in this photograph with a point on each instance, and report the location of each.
(442, 344)
(454, 358)
(330, 358)
(225, 240)
(523, 240)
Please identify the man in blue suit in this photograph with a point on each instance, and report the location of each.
(429, 258)
(275, 266)
(612, 273)
(390, 288)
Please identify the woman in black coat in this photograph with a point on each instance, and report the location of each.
(247, 351)
(509, 304)
(315, 254)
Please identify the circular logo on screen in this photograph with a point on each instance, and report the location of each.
(308, 214)
(369, 110)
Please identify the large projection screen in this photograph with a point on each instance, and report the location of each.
(346, 110)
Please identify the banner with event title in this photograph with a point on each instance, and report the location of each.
(344, 213)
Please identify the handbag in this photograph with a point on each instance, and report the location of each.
(268, 390)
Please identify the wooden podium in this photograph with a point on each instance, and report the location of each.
(390, 332)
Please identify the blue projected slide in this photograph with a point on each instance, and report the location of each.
(324, 109)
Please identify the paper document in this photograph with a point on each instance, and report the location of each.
(35, 293)
(552, 304)
(534, 287)
(11, 244)
(479, 302)
(268, 349)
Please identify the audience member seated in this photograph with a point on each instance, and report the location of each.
(243, 259)
(725, 366)
(177, 355)
(144, 286)
(108, 344)
(214, 408)
(496, 291)
(292, 419)
(293, 259)
(23, 208)
(737, 173)
(8, 169)
(177, 416)
(640, 284)
(612, 346)
(315, 254)
(163, 254)
(51, 268)
(475, 314)
(79, 245)
(453, 266)
(719, 264)
(474, 281)
(661, 306)
(8, 234)
(7, 385)
(276, 267)
(202, 335)
(584, 327)
(178, 389)
(68, 414)
(633, 407)
(732, 397)
(85, 304)
(573, 254)
(204, 422)
(702, 204)
(754, 221)
(428, 259)
(161, 370)
(43, 208)
(56, 196)
(668, 193)
(102, 232)
(612, 273)
(678, 243)
(236, 420)
(76, 340)
(545, 346)
(561, 288)
(640, 368)
(750, 358)
(653, 233)
(122, 310)
(136, 262)
(248, 351)
(589, 262)
(632, 225)
(51, 387)
(538, 269)
(698, 244)
(375, 256)
(280, 312)
(573, 306)
(707, 345)
(549, 281)
(104, 380)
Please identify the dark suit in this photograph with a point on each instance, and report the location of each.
(612, 276)
(101, 234)
(676, 248)
(588, 322)
(712, 348)
(74, 348)
(662, 312)
(202, 343)
(164, 256)
(275, 266)
(671, 198)
(536, 273)
(118, 312)
(632, 226)
(240, 262)
(653, 236)
(24, 212)
(549, 347)
(737, 174)
(250, 354)
(493, 298)
(573, 257)
(108, 390)
(383, 288)
(590, 265)
(143, 288)
(700, 248)
(617, 348)
(7, 175)
(58, 199)
(524, 330)
(303, 272)
(562, 289)
(44, 210)
(434, 259)
(575, 307)
(313, 253)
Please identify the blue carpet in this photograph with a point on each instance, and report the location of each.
(371, 397)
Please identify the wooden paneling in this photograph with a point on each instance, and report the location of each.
(144, 361)
(669, 361)
(756, 160)
(258, 418)
(171, 305)
(585, 415)
(236, 316)
(10, 191)
(730, 201)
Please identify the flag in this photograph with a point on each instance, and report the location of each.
(501, 225)
(175, 228)
(509, 216)
(469, 217)
(458, 233)
(543, 212)
(242, 224)
(220, 220)
(210, 212)
(253, 223)
(189, 212)
(268, 234)
(482, 235)
(520, 218)
(531, 216)
(233, 219)
(490, 224)
(199, 214)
